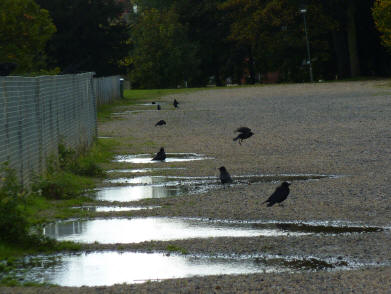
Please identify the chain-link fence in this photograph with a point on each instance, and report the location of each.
(38, 113)
(107, 89)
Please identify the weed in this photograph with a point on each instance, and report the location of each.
(173, 248)
(13, 224)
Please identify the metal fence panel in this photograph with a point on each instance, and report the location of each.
(38, 113)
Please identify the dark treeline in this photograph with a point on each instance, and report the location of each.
(170, 43)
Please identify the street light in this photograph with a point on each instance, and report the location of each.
(303, 11)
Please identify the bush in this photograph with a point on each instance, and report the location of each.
(83, 165)
(61, 185)
(14, 226)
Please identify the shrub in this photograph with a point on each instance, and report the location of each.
(14, 226)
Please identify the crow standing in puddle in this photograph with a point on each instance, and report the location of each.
(279, 195)
(176, 103)
(161, 155)
(225, 177)
(244, 133)
(160, 123)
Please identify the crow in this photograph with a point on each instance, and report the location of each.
(7, 68)
(245, 133)
(161, 155)
(225, 178)
(153, 102)
(279, 195)
(175, 103)
(158, 107)
(243, 130)
(160, 123)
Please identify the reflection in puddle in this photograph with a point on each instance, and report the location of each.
(135, 193)
(171, 157)
(114, 208)
(138, 230)
(110, 267)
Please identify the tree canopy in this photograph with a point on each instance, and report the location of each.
(90, 35)
(169, 43)
(24, 31)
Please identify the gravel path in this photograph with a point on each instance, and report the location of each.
(326, 128)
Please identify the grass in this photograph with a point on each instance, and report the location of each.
(132, 97)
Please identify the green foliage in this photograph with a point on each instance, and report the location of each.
(381, 13)
(13, 224)
(82, 165)
(61, 185)
(24, 31)
(173, 248)
(162, 56)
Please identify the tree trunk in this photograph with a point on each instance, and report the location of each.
(341, 53)
(352, 39)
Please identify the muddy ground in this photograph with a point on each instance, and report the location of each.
(341, 129)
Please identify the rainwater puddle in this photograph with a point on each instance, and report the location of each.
(111, 267)
(314, 227)
(114, 208)
(136, 230)
(144, 187)
(171, 157)
(135, 193)
(243, 179)
(144, 170)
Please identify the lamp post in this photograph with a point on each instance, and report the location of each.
(303, 11)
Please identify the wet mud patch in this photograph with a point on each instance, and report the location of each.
(136, 230)
(111, 267)
(171, 157)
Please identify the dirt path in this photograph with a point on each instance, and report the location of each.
(338, 129)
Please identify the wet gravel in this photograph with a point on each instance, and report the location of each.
(326, 128)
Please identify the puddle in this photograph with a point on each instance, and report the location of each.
(114, 208)
(111, 267)
(171, 157)
(243, 179)
(144, 170)
(144, 187)
(313, 227)
(104, 137)
(318, 229)
(136, 230)
(124, 113)
(135, 193)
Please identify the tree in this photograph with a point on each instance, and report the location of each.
(162, 56)
(273, 32)
(382, 15)
(24, 31)
(91, 35)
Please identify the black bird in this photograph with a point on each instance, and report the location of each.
(245, 133)
(225, 177)
(243, 130)
(176, 103)
(158, 107)
(7, 68)
(279, 195)
(160, 123)
(161, 155)
(153, 102)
